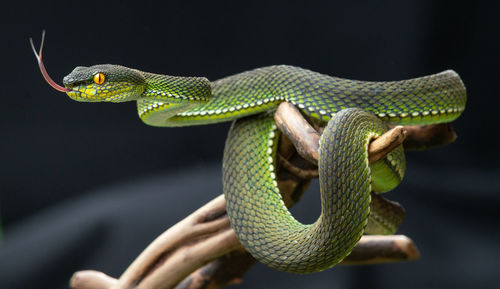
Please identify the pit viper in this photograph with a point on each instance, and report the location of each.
(355, 112)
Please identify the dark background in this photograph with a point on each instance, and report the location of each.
(88, 186)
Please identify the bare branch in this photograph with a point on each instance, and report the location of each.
(429, 136)
(202, 250)
(306, 139)
(91, 279)
(226, 270)
(230, 268)
(293, 125)
(201, 237)
(385, 143)
(299, 172)
(382, 249)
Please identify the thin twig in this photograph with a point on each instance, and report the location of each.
(92, 279)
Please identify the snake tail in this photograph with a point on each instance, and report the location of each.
(258, 214)
(385, 216)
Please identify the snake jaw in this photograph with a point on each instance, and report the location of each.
(78, 95)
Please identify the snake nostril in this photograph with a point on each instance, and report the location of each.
(67, 80)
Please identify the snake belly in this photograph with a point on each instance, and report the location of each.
(355, 111)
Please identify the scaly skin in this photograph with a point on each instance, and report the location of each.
(356, 112)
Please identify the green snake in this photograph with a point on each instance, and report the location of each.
(355, 113)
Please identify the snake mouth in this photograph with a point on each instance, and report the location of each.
(70, 88)
(75, 95)
(81, 93)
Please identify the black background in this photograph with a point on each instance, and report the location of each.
(87, 186)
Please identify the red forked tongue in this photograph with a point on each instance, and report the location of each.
(42, 67)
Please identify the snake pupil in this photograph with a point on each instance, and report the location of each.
(99, 78)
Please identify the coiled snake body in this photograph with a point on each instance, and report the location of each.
(356, 112)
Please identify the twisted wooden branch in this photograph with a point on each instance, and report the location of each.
(202, 250)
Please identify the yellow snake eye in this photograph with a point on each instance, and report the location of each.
(99, 78)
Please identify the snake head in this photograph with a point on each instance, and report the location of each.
(105, 82)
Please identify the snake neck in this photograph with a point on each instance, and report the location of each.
(176, 89)
(165, 96)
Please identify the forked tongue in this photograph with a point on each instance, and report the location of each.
(42, 67)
